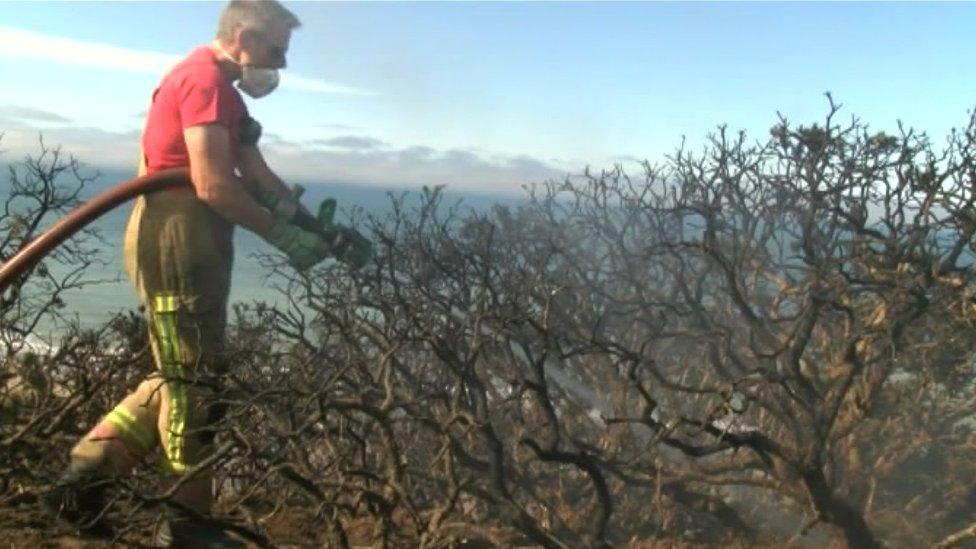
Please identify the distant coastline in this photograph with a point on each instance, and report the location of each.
(97, 303)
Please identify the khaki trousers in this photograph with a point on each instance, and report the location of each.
(178, 254)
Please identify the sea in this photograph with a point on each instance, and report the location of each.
(112, 294)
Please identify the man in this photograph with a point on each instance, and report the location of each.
(178, 250)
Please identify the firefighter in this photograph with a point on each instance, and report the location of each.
(178, 254)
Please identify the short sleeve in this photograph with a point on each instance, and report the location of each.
(206, 99)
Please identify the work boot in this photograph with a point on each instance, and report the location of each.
(77, 501)
(190, 534)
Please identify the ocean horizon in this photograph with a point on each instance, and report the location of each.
(96, 303)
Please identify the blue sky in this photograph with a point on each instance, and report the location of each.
(490, 96)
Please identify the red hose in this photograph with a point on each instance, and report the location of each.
(29, 255)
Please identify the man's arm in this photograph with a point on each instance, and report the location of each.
(256, 171)
(212, 173)
(345, 244)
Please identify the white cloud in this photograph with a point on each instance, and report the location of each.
(337, 127)
(316, 85)
(388, 166)
(349, 142)
(91, 146)
(23, 44)
(25, 114)
(410, 167)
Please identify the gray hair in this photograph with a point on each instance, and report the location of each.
(253, 14)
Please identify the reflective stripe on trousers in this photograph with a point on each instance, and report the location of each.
(171, 366)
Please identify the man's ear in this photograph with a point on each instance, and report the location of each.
(246, 37)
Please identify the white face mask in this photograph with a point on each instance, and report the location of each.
(254, 81)
(257, 82)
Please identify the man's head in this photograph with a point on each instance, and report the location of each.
(256, 33)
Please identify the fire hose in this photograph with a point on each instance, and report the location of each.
(28, 256)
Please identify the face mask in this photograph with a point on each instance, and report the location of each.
(254, 81)
(257, 82)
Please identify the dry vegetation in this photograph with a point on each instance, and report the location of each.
(748, 344)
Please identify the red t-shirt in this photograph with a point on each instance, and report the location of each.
(193, 93)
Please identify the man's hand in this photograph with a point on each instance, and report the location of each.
(347, 245)
(303, 248)
(351, 247)
(283, 207)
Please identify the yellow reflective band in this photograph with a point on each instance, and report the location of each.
(133, 431)
(172, 369)
(164, 303)
(178, 411)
